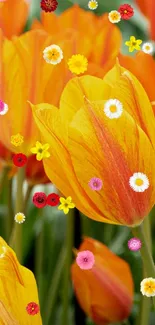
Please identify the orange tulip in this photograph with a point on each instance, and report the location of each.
(25, 75)
(17, 289)
(148, 9)
(13, 16)
(86, 143)
(142, 65)
(105, 292)
(102, 40)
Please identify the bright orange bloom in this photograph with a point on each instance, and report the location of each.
(102, 40)
(17, 289)
(148, 9)
(25, 75)
(105, 292)
(90, 144)
(13, 16)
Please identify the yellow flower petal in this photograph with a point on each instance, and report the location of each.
(68, 199)
(39, 145)
(62, 200)
(61, 207)
(132, 38)
(46, 154)
(65, 210)
(45, 146)
(39, 156)
(34, 150)
(71, 205)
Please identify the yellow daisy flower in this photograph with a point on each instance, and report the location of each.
(19, 217)
(147, 287)
(17, 139)
(92, 4)
(41, 150)
(133, 44)
(66, 204)
(78, 63)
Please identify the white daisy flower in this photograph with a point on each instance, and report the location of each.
(19, 217)
(3, 108)
(92, 4)
(139, 182)
(53, 54)
(114, 16)
(147, 48)
(147, 287)
(113, 108)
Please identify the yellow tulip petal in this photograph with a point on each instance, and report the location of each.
(20, 286)
(106, 149)
(126, 88)
(58, 166)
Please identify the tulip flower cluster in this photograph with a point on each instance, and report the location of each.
(76, 112)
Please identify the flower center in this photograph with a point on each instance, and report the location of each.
(147, 47)
(85, 259)
(139, 182)
(40, 199)
(134, 43)
(113, 108)
(40, 150)
(125, 11)
(53, 54)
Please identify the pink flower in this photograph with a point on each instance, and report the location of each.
(95, 184)
(85, 260)
(134, 244)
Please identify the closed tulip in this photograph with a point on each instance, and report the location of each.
(97, 139)
(9, 11)
(104, 292)
(18, 290)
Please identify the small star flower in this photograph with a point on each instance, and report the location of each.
(78, 64)
(92, 4)
(114, 16)
(17, 139)
(2, 251)
(39, 199)
(95, 184)
(53, 54)
(53, 199)
(147, 287)
(3, 108)
(133, 44)
(19, 160)
(139, 182)
(147, 48)
(113, 108)
(126, 11)
(134, 244)
(32, 308)
(19, 217)
(85, 260)
(41, 150)
(66, 204)
(48, 5)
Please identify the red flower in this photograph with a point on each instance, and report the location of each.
(19, 160)
(53, 199)
(126, 11)
(40, 199)
(32, 308)
(48, 5)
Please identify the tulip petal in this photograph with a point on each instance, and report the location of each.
(126, 88)
(5, 317)
(17, 289)
(104, 148)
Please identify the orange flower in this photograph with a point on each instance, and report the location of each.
(105, 292)
(13, 16)
(17, 290)
(100, 131)
(102, 39)
(148, 8)
(25, 76)
(143, 67)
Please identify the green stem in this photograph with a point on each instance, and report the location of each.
(68, 260)
(39, 254)
(142, 232)
(27, 197)
(53, 288)
(16, 236)
(4, 175)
